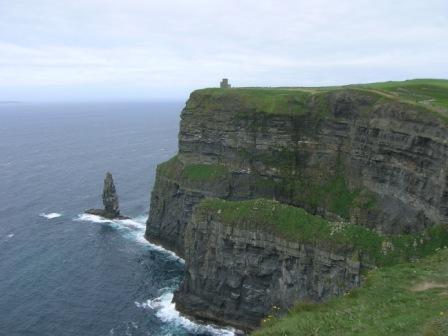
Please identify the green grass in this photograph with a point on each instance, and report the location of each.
(401, 300)
(296, 224)
(175, 169)
(332, 194)
(271, 101)
(170, 169)
(427, 94)
(433, 92)
(204, 172)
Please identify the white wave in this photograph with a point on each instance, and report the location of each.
(133, 224)
(10, 235)
(165, 309)
(133, 229)
(92, 218)
(50, 215)
(166, 312)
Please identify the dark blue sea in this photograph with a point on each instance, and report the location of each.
(66, 273)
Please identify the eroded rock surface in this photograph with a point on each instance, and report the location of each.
(110, 201)
(236, 276)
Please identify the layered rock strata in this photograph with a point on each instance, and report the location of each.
(348, 155)
(238, 275)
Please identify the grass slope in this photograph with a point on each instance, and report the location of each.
(296, 224)
(403, 300)
(426, 91)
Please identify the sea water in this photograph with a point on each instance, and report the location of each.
(63, 272)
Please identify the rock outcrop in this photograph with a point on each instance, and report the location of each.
(110, 201)
(347, 155)
(237, 274)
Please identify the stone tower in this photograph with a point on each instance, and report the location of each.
(225, 84)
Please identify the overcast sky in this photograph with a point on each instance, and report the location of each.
(144, 49)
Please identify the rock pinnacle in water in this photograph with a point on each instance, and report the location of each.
(110, 197)
(110, 201)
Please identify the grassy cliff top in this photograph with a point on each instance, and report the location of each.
(295, 224)
(430, 94)
(401, 300)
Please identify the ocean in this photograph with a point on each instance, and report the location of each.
(66, 273)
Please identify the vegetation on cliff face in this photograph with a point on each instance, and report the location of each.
(296, 224)
(332, 194)
(170, 168)
(204, 172)
(400, 300)
(191, 173)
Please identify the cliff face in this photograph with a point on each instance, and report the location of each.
(236, 275)
(387, 149)
(172, 201)
(348, 155)
(387, 159)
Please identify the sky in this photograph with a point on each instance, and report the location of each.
(104, 50)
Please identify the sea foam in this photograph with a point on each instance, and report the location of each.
(167, 313)
(50, 215)
(163, 306)
(133, 229)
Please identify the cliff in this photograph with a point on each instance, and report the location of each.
(241, 262)
(366, 155)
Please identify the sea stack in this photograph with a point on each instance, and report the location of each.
(110, 197)
(110, 201)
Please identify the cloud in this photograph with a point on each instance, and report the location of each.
(168, 48)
